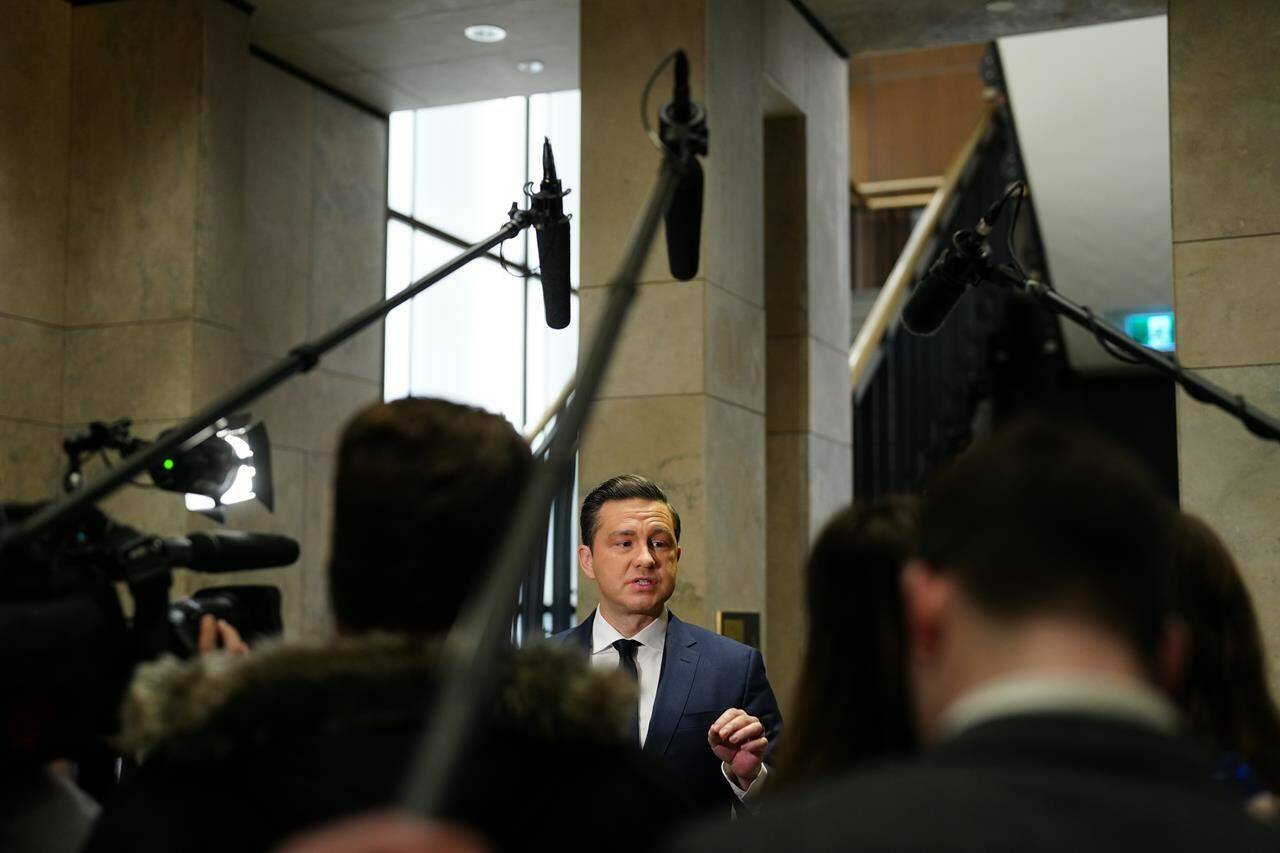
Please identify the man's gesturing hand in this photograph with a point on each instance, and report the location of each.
(738, 740)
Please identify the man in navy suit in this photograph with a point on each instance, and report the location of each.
(705, 704)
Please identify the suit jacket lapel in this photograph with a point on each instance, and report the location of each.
(580, 637)
(679, 663)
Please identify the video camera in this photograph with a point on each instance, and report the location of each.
(67, 648)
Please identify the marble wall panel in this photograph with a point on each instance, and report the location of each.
(827, 138)
(827, 187)
(785, 46)
(830, 480)
(332, 400)
(661, 349)
(277, 209)
(621, 44)
(1224, 107)
(1227, 294)
(139, 371)
(787, 385)
(735, 514)
(1228, 477)
(32, 357)
(786, 226)
(35, 75)
(317, 617)
(830, 395)
(220, 223)
(286, 410)
(349, 166)
(787, 508)
(135, 95)
(733, 229)
(216, 363)
(735, 349)
(31, 461)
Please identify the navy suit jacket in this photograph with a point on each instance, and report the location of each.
(703, 675)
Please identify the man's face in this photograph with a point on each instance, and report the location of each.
(633, 556)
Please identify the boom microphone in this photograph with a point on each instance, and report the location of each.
(958, 267)
(683, 122)
(553, 241)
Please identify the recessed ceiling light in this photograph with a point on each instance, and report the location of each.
(485, 33)
(530, 66)
(1001, 5)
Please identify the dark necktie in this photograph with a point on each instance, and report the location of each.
(627, 663)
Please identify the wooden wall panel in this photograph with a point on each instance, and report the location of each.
(909, 112)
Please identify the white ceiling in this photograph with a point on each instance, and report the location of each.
(398, 54)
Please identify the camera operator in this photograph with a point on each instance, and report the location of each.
(240, 753)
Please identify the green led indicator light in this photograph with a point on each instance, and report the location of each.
(168, 464)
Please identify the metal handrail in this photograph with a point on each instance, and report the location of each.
(888, 305)
(557, 404)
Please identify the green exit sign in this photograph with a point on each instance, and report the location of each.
(1152, 329)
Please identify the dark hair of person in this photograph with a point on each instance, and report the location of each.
(423, 490)
(1040, 518)
(1224, 691)
(853, 679)
(623, 487)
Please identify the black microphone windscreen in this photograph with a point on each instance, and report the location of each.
(684, 224)
(937, 293)
(553, 258)
(234, 551)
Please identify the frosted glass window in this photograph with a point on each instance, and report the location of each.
(552, 354)
(468, 335)
(479, 336)
(470, 167)
(400, 163)
(398, 333)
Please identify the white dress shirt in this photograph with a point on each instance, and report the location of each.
(653, 640)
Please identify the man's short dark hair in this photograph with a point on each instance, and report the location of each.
(623, 487)
(422, 493)
(1040, 518)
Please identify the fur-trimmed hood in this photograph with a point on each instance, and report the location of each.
(213, 704)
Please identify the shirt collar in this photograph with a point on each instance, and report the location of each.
(1062, 692)
(603, 635)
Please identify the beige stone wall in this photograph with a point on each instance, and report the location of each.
(686, 399)
(34, 89)
(807, 274)
(314, 206)
(1224, 101)
(177, 216)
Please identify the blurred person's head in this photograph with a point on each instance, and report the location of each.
(1224, 694)
(630, 548)
(854, 675)
(422, 493)
(1041, 549)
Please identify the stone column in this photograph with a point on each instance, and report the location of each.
(155, 250)
(807, 290)
(34, 72)
(1224, 100)
(685, 402)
